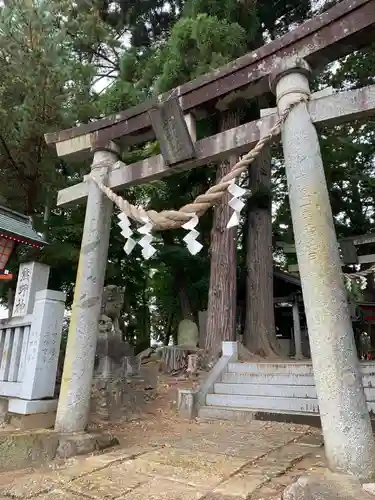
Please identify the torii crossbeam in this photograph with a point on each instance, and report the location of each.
(331, 109)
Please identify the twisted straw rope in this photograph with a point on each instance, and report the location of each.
(360, 274)
(174, 219)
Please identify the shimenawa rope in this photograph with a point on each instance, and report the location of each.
(173, 219)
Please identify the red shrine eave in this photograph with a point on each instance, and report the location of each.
(368, 311)
(18, 228)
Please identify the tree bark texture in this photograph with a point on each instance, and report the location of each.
(186, 309)
(221, 312)
(260, 336)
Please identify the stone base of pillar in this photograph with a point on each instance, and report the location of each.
(116, 398)
(32, 421)
(28, 414)
(82, 443)
(26, 448)
(31, 407)
(324, 484)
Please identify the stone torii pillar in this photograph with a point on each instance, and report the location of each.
(349, 443)
(74, 400)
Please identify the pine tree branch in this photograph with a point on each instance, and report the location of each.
(107, 75)
(9, 155)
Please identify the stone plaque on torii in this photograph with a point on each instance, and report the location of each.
(284, 66)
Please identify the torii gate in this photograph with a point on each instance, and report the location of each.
(286, 63)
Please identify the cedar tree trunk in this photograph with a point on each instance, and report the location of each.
(221, 313)
(260, 336)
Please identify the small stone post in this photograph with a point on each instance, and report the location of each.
(297, 331)
(74, 401)
(349, 443)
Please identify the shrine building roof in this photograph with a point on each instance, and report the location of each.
(18, 227)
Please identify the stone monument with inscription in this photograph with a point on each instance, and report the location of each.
(31, 345)
(32, 277)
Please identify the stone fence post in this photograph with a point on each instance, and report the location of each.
(43, 349)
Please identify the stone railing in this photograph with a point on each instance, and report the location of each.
(29, 352)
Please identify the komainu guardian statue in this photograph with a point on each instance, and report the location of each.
(112, 303)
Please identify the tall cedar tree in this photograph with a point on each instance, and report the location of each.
(197, 44)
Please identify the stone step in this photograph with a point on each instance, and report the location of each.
(249, 414)
(367, 367)
(290, 367)
(267, 378)
(281, 379)
(226, 413)
(289, 391)
(270, 403)
(297, 367)
(265, 403)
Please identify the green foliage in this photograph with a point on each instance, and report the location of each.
(230, 12)
(147, 21)
(197, 45)
(46, 85)
(43, 86)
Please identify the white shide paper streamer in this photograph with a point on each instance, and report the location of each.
(237, 192)
(147, 249)
(191, 238)
(126, 233)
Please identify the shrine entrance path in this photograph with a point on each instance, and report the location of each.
(161, 457)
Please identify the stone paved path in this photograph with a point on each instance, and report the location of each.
(198, 461)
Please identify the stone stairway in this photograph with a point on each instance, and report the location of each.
(286, 391)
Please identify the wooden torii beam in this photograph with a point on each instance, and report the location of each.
(336, 32)
(326, 110)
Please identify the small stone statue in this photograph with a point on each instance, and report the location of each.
(105, 327)
(112, 302)
(188, 333)
(111, 350)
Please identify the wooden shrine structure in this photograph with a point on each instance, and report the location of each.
(283, 67)
(354, 250)
(15, 229)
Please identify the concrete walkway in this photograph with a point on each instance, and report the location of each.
(202, 460)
